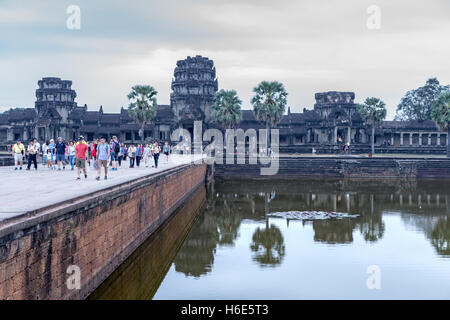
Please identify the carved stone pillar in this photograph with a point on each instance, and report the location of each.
(335, 135)
(410, 138)
(438, 139)
(25, 134)
(429, 139)
(401, 138)
(10, 134)
(349, 135)
(420, 139)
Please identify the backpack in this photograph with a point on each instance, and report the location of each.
(116, 147)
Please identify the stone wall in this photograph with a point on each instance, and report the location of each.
(96, 233)
(6, 160)
(362, 149)
(155, 256)
(342, 167)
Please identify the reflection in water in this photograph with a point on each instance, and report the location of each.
(141, 274)
(232, 242)
(196, 256)
(268, 246)
(334, 231)
(440, 236)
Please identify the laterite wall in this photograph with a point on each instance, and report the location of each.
(97, 233)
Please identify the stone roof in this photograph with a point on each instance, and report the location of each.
(4, 119)
(110, 118)
(248, 115)
(50, 113)
(311, 115)
(164, 112)
(77, 113)
(21, 114)
(411, 125)
(91, 116)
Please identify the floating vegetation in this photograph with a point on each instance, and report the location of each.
(311, 215)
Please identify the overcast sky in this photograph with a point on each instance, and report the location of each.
(308, 45)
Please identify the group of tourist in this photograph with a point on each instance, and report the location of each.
(77, 153)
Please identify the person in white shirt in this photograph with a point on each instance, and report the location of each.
(71, 153)
(147, 155)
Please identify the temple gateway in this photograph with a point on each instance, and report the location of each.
(333, 122)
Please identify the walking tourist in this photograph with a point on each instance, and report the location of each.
(125, 152)
(18, 150)
(166, 151)
(38, 148)
(156, 151)
(52, 147)
(147, 155)
(71, 153)
(44, 153)
(47, 158)
(115, 151)
(132, 155)
(151, 154)
(93, 153)
(81, 152)
(32, 154)
(138, 154)
(60, 149)
(103, 154)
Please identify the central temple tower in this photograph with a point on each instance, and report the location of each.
(193, 89)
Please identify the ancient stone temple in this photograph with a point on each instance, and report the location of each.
(333, 122)
(55, 100)
(194, 86)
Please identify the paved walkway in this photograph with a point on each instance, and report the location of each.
(24, 191)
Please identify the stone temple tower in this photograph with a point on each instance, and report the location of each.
(55, 99)
(193, 89)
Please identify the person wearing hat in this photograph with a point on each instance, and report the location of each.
(18, 150)
(81, 150)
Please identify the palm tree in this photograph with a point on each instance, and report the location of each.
(373, 112)
(440, 112)
(269, 103)
(268, 246)
(143, 106)
(227, 108)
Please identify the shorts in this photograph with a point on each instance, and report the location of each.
(166, 153)
(80, 163)
(103, 163)
(18, 157)
(60, 157)
(114, 156)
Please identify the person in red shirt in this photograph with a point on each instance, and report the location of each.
(81, 151)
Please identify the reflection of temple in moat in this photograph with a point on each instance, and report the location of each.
(423, 205)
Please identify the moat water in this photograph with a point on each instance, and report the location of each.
(221, 245)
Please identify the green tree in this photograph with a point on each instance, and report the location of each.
(227, 108)
(417, 103)
(269, 103)
(440, 112)
(373, 112)
(143, 105)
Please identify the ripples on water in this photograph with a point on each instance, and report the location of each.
(227, 247)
